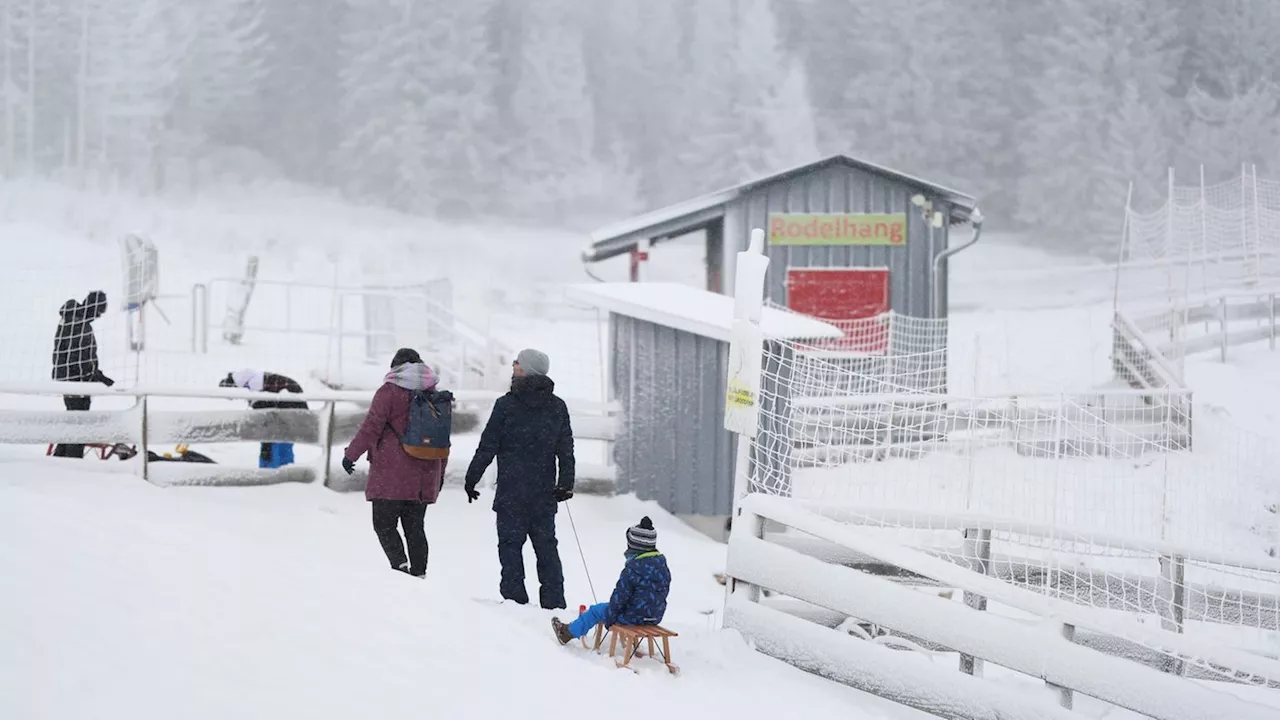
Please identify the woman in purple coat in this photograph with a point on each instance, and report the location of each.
(400, 486)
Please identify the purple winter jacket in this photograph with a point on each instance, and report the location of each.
(393, 473)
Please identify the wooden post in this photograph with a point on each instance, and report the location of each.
(977, 546)
(142, 439)
(1172, 605)
(753, 524)
(326, 442)
(1064, 695)
(1271, 315)
(1222, 323)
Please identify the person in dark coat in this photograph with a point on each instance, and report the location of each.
(400, 486)
(528, 433)
(639, 598)
(75, 356)
(270, 454)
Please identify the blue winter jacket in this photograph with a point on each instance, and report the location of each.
(640, 597)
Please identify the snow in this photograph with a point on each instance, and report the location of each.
(700, 312)
(120, 599)
(939, 690)
(955, 576)
(126, 599)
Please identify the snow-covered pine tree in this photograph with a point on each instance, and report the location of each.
(710, 153)
(52, 84)
(554, 173)
(746, 100)
(1136, 148)
(637, 63)
(417, 103)
(382, 138)
(919, 104)
(830, 38)
(1234, 46)
(775, 114)
(1223, 132)
(1090, 48)
(129, 55)
(1231, 96)
(296, 122)
(463, 141)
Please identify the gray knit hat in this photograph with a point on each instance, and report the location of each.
(534, 362)
(642, 537)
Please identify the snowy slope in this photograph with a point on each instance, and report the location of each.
(126, 600)
(118, 599)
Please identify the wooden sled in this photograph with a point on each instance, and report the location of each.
(632, 636)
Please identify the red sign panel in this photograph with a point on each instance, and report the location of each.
(853, 299)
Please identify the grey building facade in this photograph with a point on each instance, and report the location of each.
(670, 377)
(838, 184)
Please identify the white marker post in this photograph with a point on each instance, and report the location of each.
(742, 389)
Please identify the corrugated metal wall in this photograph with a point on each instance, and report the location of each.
(674, 448)
(835, 190)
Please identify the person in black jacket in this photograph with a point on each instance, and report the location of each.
(529, 434)
(75, 356)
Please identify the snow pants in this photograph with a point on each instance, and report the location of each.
(76, 450)
(540, 529)
(410, 515)
(589, 619)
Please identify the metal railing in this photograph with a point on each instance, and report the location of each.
(1147, 349)
(469, 357)
(329, 426)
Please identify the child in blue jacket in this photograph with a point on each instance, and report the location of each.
(640, 597)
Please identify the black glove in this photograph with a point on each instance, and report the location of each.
(563, 494)
(472, 494)
(348, 465)
(104, 379)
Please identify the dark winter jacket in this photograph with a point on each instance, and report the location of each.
(75, 350)
(393, 473)
(265, 382)
(640, 597)
(529, 433)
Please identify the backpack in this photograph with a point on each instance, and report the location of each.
(430, 422)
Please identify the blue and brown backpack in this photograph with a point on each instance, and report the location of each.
(430, 424)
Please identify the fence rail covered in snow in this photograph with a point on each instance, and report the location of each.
(329, 426)
(1114, 518)
(1064, 665)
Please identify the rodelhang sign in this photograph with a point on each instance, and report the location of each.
(837, 229)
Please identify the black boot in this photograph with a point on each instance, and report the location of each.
(562, 631)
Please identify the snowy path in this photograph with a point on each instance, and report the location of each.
(118, 599)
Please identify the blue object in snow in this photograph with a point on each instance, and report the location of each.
(276, 455)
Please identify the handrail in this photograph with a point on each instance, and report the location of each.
(51, 387)
(1172, 376)
(966, 520)
(1254, 306)
(9, 387)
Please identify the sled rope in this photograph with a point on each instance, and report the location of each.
(580, 553)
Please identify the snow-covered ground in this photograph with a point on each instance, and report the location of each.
(123, 598)
(120, 599)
